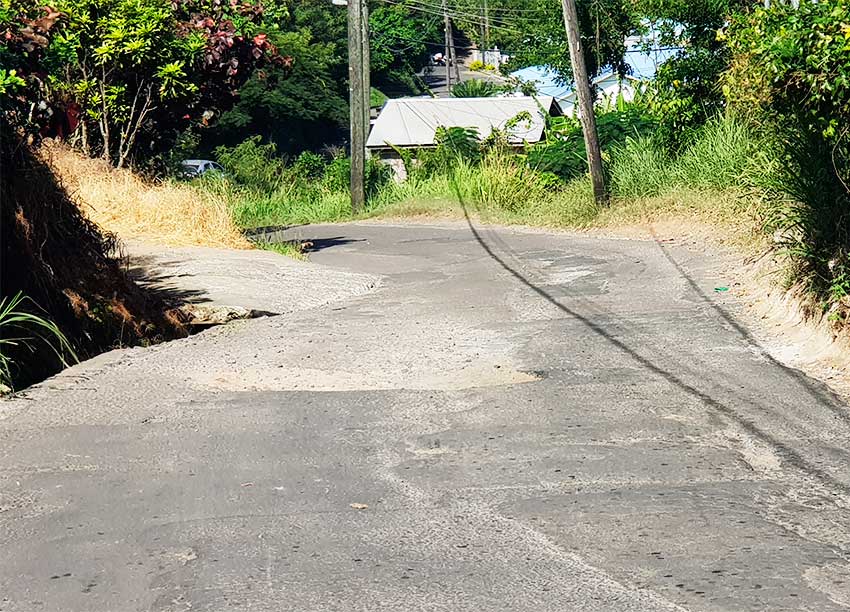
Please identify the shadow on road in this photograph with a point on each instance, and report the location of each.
(313, 245)
(788, 454)
(821, 395)
(153, 275)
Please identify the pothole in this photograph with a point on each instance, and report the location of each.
(202, 316)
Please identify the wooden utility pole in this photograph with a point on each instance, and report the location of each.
(453, 51)
(486, 26)
(366, 68)
(585, 102)
(356, 101)
(447, 26)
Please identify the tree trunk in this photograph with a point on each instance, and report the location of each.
(103, 120)
(134, 123)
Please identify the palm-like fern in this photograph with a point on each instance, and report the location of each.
(475, 88)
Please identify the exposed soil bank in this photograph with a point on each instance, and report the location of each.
(69, 267)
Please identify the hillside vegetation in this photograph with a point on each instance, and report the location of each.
(66, 292)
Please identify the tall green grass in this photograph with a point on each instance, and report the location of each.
(499, 188)
(284, 206)
(806, 199)
(23, 332)
(719, 157)
(639, 168)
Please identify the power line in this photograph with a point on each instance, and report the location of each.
(514, 11)
(456, 12)
(428, 9)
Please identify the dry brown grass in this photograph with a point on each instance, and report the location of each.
(119, 201)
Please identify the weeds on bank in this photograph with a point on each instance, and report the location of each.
(291, 248)
(22, 331)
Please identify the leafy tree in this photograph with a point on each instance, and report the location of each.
(686, 90)
(305, 106)
(794, 62)
(532, 32)
(252, 163)
(129, 69)
(25, 34)
(300, 106)
(399, 38)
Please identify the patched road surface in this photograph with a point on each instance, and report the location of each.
(481, 419)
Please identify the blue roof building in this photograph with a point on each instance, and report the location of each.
(644, 66)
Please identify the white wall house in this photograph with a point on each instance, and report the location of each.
(411, 123)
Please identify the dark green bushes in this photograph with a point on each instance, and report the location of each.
(564, 153)
(267, 190)
(791, 71)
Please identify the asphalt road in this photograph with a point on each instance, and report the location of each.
(508, 420)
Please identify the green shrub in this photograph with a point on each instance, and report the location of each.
(309, 165)
(794, 62)
(337, 174)
(476, 65)
(564, 157)
(377, 98)
(452, 145)
(807, 202)
(475, 88)
(252, 163)
(685, 93)
(564, 153)
(791, 69)
(300, 199)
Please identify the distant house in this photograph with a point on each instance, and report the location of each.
(411, 123)
(609, 86)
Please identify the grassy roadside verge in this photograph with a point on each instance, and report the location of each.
(705, 185)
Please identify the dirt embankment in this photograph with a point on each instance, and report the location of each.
(70, 267)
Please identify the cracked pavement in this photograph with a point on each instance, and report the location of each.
(481, 419)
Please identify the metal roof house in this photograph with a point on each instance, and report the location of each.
(411, 123)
